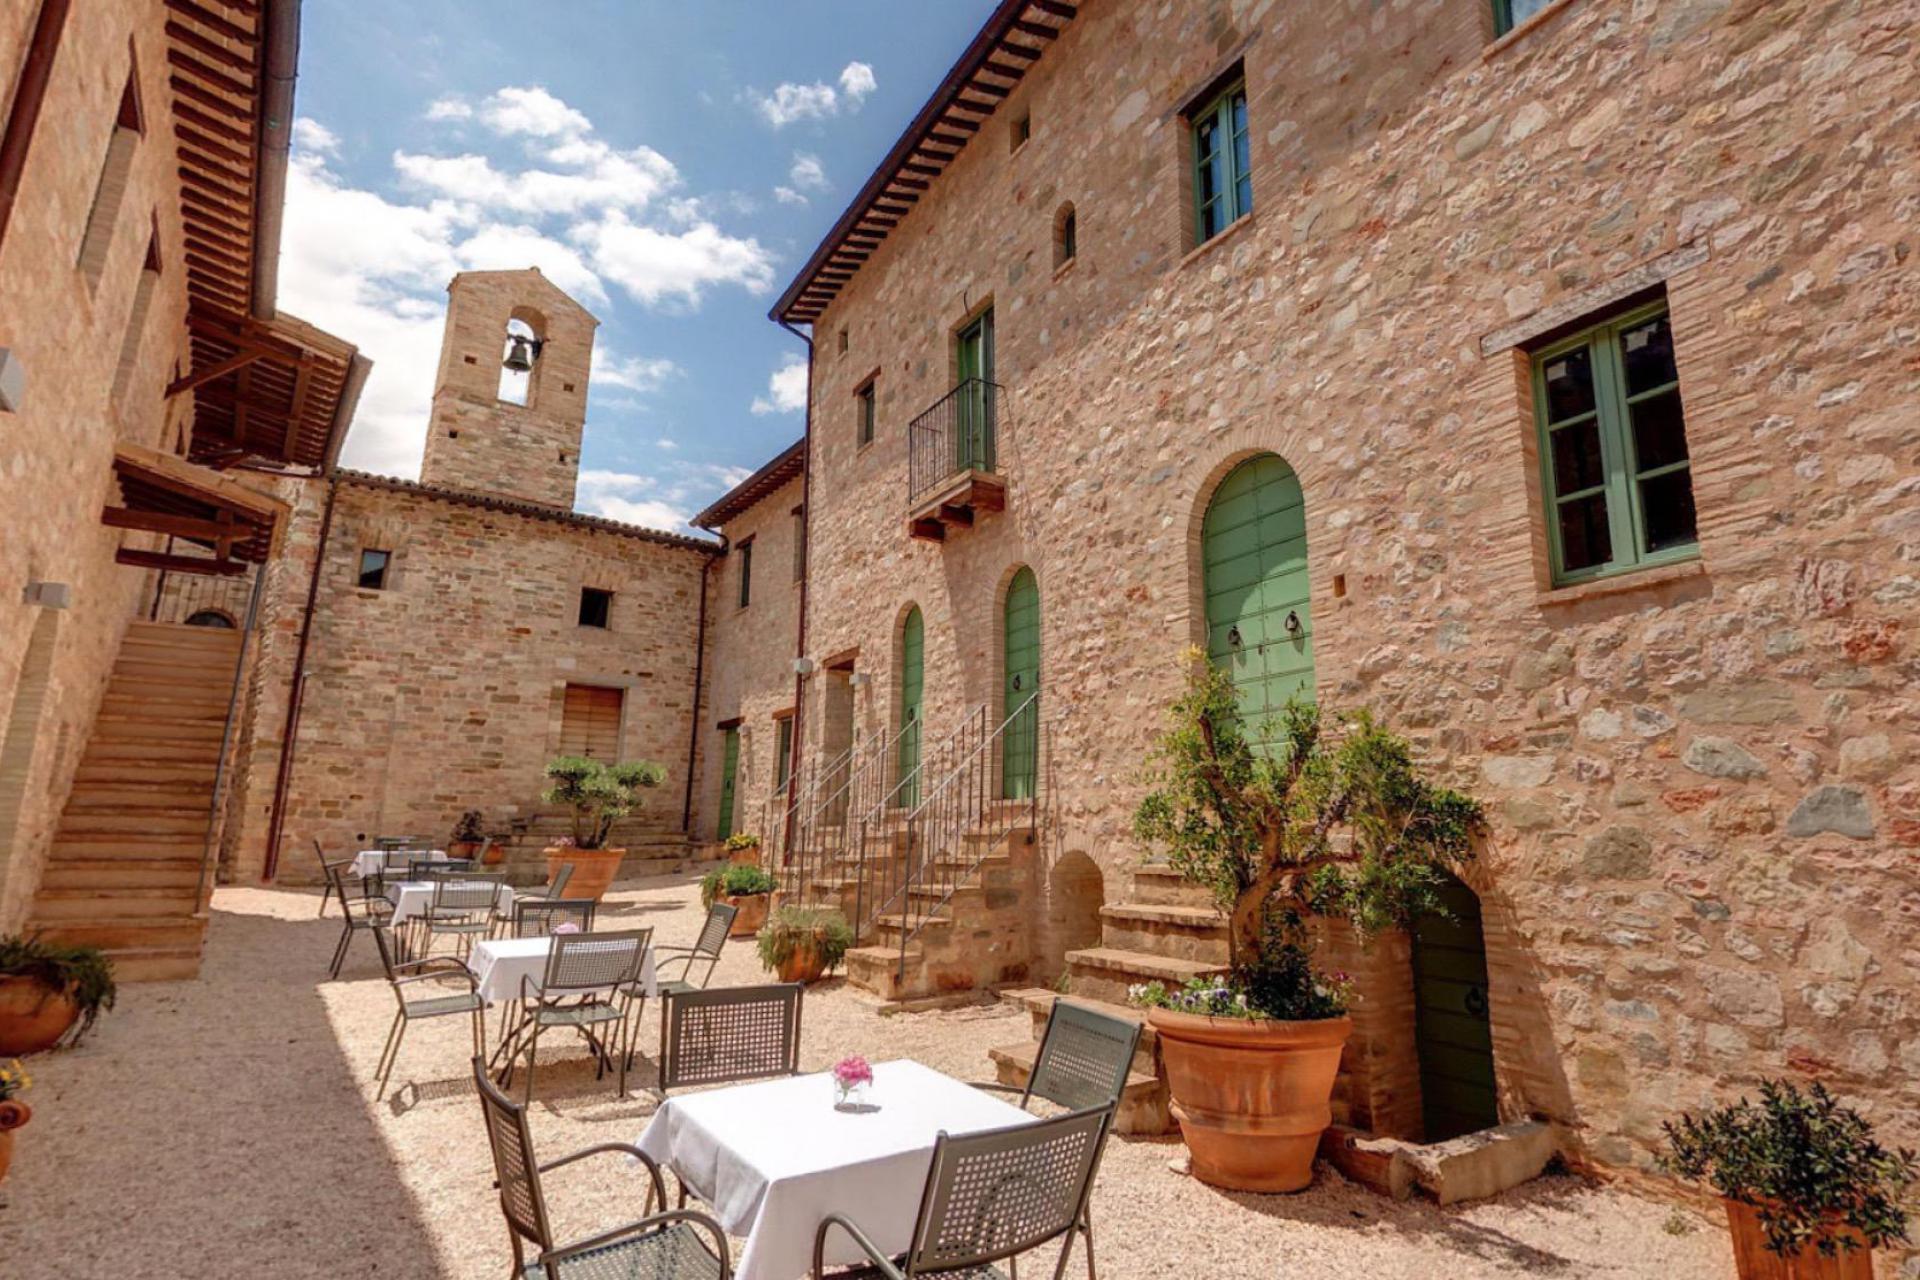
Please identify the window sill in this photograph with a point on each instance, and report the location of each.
(1526, 29)
(1065, 269)
(1229, 232)
(1621, 583)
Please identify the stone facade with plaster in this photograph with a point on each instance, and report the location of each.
(1704, 780)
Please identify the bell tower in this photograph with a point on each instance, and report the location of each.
(510, 400)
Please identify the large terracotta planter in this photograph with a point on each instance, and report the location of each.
(468, 849)
(805, 963)
(1752, 1260)
(593, 870)
(1251, 1097)
(33, 1017)
(13, 1114)
(495, 854)
(751, 913)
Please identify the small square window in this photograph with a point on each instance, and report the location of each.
(1021, 131)
(596, 607)
(863, 408)
(373, 568)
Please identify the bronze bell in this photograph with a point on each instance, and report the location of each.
(520, 353)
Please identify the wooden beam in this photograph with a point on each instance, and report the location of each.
(978, 108)
(200, 377)
(1006, 69)
(166, 522)
(180, 564)
(1026, 51)
(1056, 8)
(1039, 29)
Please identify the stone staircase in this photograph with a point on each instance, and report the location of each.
(124, 872)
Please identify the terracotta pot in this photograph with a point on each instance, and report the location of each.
(33, 1016)
(1752, 1260)
(495, 854)
(752, 913)
(13, 1114)
(593, 870)
(804, 964)
(1251, 1097)
(463, 849)
(747, 857)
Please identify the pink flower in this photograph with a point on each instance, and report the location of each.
(566, 926)
(849, 1072)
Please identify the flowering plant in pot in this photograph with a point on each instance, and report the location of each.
(747, 889)
(598, 795)
(802, 943)
(468, 836)
(1298, 820)
(48, 991)
(13, 1112)
(1809, 1193)
(743, 847)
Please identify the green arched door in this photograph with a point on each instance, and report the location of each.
(1254, 559)
(913, 656)
(1020, 637)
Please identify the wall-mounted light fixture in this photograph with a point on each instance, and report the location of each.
(860, 679)
(13, 382)
(803, 666)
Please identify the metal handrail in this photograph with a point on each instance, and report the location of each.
(879, 821)
(215, 826)
(955, 434)
(800, 822)
(962, 804)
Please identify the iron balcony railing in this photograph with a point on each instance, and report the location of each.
(956, 435)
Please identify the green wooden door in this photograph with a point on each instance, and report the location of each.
(913, 653)
(973, 436)
(1254, 557)
(1451, 1025)
(729, 765)
(1021, 640)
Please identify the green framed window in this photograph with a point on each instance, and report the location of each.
(863, 413)
(783, 753)
(746, 572)
(1508, 14)
(1222, 172)
(1613, 448)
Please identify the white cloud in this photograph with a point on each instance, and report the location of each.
(807, 173)
(532, 111)
(592, 175)
(501, 247)
(311, 135)
(790, 102)
(656, 265)
(787, 195)
(665, 443)
(668, 501)
(786, 388)
(635, 373)
(449, 108)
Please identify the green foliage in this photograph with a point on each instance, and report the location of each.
(1805, 1161)
(84, 973)
(790, 927)
(735, 880)
(1324, 819)
(599, 794)
(1285, 987)
(740, 840)
(469, 829)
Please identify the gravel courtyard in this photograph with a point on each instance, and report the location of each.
(227, 1127)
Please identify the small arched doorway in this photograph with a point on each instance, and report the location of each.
(1254, 569)
(1453, 1031)
(913, 656)
(1020, 681)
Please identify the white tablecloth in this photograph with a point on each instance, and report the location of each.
(774, 1158)
(499, 963)
(370, 862)
(412, 898)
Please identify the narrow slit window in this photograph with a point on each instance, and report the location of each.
(373, 568)
(111, 191)
(799, 543)
(863, 409)
(130, 338)
(1066, 236)
(746, 573)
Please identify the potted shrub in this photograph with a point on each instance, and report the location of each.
(599, 796)
(748, 890)
(48, 991)
(1809, 1193)
(13, 1112)
(802, 943)
(467, 836)
(743, 848)
(1296, 828)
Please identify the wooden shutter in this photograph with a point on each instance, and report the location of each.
(590, 722)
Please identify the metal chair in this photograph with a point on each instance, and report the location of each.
(462, 907)
(989, 1198)
(363, 906)
(729, 1034)
(589, 983)
(706, 948)
(407, 974)
(661, 1246)
(550, 892)
(391, 844)
(439, 868)
(537, 918)
(326, 873)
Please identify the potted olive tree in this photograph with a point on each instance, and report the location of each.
(1301, 826)
(599, 796)
(748, 890)
(801, 943)
(48, 991)
(1809, 1192)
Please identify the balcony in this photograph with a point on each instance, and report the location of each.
(950, 462)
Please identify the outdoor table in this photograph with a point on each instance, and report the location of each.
(374, 862)
(498, 965)
(412, 898)
(773, 1159)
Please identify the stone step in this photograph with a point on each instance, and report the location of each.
(876, 969)
(156, 964)
(114, 934)
(121, 847)
(1158, 883)
(1105, 973)
(111, 755)
(119, 902)
(192, 776)
(167, 709)
(121, 873)
(118, 822)
(1183, 933)
(175, 800)
(119, 726)
(1143, 1099)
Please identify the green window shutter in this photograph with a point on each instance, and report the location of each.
(1021, 638)
(913, 650)
(729, 765)
(1222, 164)
(783, 754)
(1615, 466)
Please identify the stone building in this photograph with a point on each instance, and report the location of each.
(144, 366)
(1547, 390)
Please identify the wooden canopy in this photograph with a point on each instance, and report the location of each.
(160, 493)
(1006, 48)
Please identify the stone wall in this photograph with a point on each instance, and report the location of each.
(56, 449)
(1705, 795)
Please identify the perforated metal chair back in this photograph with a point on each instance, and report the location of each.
(1084, 1057)
(538, 917)
(714, 931)
(464, 896)
(514, 1165)
(439, 868)
(558, 885)
(995, 1195)
(730, 1033)
(585, 962)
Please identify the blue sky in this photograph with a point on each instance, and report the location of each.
(671, 165)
